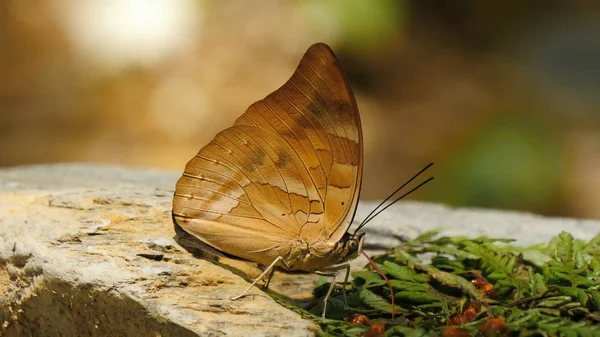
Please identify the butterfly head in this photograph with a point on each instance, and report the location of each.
(350, 246)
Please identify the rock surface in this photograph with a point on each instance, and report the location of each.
(88, 251)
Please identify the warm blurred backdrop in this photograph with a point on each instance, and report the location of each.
(503, 95)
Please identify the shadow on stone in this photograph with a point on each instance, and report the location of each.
(201, 250)
(59, 309)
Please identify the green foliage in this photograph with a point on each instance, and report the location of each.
(482, 285)
(529, 181)
(362, 25)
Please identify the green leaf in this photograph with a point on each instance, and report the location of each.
(595, 302)
(554, 301)
(418, 297)
(445, 264)
(593, 244)
(371, 279)
(375, 301)
(536, 282)
(564, 249)
(427, 236)
(403, 273)
(404, 331)
(409, 286)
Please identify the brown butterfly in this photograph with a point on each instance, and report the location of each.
(280, 187)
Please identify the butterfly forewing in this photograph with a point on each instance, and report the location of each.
(288, 171)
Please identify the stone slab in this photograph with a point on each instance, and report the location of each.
(88, 250)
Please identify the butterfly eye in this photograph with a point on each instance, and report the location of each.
(353, 245)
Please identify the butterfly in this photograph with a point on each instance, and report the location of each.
(281, 186)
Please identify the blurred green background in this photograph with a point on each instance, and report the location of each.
(503, 95)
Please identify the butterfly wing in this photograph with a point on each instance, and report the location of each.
(288, 169)
(316, 113)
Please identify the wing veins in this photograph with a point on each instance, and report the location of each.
(264, 249)
(343, 145)
(255, 167)
(311, 143)
(332, 124)
(280, 175)
(191, 196)
(347, 84)
(215, 172)
(221, 213)
(293, 149)
(252, 119)
(345, 81)
(219, 193)
(235, 216)
(329, 122)
(237, 168)
(326, 115)
(297, 169)
(290, 193)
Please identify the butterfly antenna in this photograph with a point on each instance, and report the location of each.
(393, 202)
(386, 281)
(367, 219)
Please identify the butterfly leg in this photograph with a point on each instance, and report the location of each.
(266, 286)
(269, 268)
(333, 276)
(347, 265)
(333, 273)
